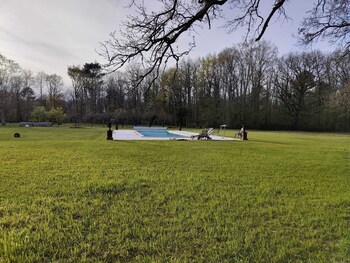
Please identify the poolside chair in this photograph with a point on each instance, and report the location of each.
(204, 134)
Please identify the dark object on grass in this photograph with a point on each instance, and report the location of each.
(109, 132)
(245, 135)
(16, 135)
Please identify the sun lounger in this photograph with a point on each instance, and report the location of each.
(204, 134)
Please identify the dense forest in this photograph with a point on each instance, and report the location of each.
(249, 83)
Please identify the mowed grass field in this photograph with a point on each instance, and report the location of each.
(69, 195)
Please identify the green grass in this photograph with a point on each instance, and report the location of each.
(69, 195)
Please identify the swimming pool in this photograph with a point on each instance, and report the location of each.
(125, 135)
(160, 133)
(157, 132)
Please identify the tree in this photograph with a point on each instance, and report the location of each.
(295, 81)
(56, 115)
(27, 97)
(24, 94)
(115, 91)
(8, 71)
(151, 35)
(330, 20)
(229, 60)
(38, 114)
(174, 96)
(339, 105)
(189, 70)
(40, 79)
(209, 91)
(55, 84)
(76, 75)
(93, 81)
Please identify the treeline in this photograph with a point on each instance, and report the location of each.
(247, 83)
(22, 90)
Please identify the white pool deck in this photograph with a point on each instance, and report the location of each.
(132, 135)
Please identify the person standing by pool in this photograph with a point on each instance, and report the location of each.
(243, 133)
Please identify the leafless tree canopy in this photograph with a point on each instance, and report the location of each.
(151, 35)
(329, 19)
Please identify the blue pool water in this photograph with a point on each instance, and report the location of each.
(160, 133)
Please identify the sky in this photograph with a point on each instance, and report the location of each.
(50, 35)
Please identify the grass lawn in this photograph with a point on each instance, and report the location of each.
(69, 195)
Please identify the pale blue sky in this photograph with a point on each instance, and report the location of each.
(49, 35)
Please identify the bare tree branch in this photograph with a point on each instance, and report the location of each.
(330, 19)
(278, 6)
(151, 37)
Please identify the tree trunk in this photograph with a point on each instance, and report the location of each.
(2, 116)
